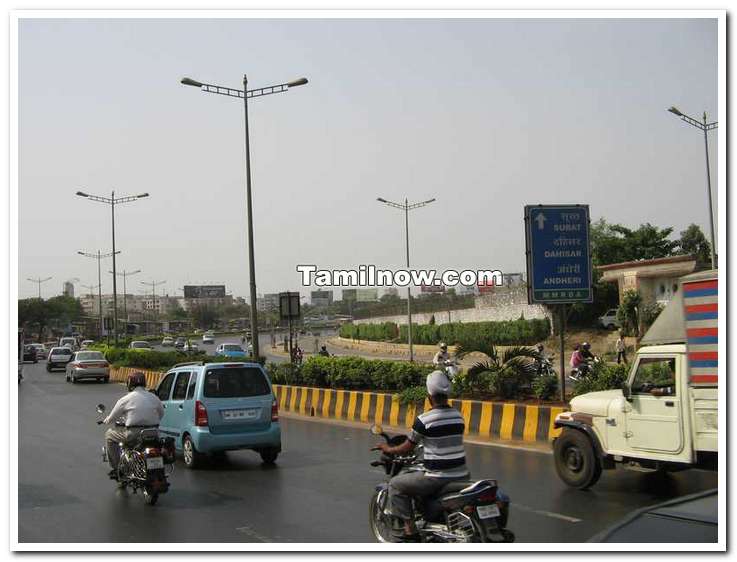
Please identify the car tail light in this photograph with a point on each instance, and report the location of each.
(200, 414)
(274, 411)
(152, 452)
(74, 365)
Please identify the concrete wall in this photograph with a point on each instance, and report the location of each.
(505, 303)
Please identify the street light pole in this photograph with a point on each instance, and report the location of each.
(245, 94)
(705, 127)
(39, 281)
(112, 200)
(407, 207)
(125, 293)
(98, 256)
(153, 285)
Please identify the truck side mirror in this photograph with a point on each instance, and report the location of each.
(626, 392)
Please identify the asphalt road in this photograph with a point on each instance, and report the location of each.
(318, 491)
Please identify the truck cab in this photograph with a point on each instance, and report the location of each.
(665, 415)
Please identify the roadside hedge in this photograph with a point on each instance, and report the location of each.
(351, 373)
(469, 334)
(602, 377)
(155, 360)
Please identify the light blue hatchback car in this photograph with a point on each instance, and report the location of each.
(210, 408)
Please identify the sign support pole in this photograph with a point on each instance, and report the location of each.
(562, 324)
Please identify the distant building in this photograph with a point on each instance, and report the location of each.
(268, 302)
(348, 295)
(321, 298)
(391, 291)
(68, 290)
(367, 295)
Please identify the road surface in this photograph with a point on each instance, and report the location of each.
(318, 491)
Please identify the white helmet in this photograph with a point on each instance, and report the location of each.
(443, 346)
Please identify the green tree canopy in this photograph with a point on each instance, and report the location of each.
(693, 242)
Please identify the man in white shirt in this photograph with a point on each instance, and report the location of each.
(139, 409)
(441, 356)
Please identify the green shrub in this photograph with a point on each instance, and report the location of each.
(602, 377)
(413, 395)
(545, 387)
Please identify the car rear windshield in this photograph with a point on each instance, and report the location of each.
(90, 356)
(235, 382)
(61, 351)
(233, 347)
(140, 345)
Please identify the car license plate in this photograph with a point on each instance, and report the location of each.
(240, 414)
(154, 462)
(487, 511)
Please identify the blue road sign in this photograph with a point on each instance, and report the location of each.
(558, 254)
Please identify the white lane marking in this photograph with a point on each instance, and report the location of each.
(546, 513)
(253, 534)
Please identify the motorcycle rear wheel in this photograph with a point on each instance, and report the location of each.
(149, 497)
(380, 523)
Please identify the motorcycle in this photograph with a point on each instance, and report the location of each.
(450, 367)
(460, 512)
(584, 369)
(545, 366)
(143, 465)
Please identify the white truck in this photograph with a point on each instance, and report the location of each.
(665, 416)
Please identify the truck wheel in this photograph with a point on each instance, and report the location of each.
(575, 460)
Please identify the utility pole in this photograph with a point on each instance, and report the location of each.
(39, 281)
(99, 256)
(125, 294)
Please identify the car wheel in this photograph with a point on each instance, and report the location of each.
(48, 368)
(575, 459)
(192, 458)
(269, 455)
(35, 361)
(74, 379)
(610, 326)
(106, 380)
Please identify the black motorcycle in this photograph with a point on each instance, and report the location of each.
(460, 511)
(145, 464)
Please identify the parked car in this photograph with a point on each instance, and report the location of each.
(189, 346)
(609, 319)
(68, 340)
(688, 519)
(41, 351)
(140, 345)
(208, 338)
(167, 342)
(29, 353)
(88, 365)
(59, 357)
(216, 407)
(180, 342)
(230, 350)
(86, 343)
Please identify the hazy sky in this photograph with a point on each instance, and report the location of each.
(484, 115)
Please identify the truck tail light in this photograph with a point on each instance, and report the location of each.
(274, 411)
(200, 414)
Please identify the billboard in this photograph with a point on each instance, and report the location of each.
(432, 289)
(204, 291)
(367, 295)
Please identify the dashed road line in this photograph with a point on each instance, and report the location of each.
(544, 513)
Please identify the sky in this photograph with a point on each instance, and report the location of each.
(484, 115)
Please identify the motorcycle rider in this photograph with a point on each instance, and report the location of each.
(441, 356)
(441, 431)
(576, 357)
(541, 358)
(139, 409)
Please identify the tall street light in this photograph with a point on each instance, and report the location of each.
(705, 127)
(112, 201)
(407, 207)
(153, 285)
(99, 256)
(39, 281)
(125, 295)
(245, 93)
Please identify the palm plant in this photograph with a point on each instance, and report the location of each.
(506, 375)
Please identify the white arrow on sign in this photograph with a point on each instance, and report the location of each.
(540, 218)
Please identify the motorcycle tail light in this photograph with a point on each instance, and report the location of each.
(200, 414)
(274, 411)
(488, 495)
(152, 452)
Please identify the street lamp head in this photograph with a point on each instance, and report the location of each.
(674, 110)
(142, 195)
(381, 200)
(82, 194)
(81, 253)
(297, 82)
(190, 82)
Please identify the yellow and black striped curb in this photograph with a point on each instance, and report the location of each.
(491, 420)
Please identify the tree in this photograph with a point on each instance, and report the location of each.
(693, 242)
(204, 316)
(628, 313)
(176, 312)
(615, 243)
(57, 311)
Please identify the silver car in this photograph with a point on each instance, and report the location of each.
(88, 365)
(58, 357)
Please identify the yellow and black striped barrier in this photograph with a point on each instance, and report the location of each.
(490, 420)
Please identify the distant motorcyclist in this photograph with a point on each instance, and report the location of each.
(576, 357)
(138, 409)
(442, 355)
(324, 351)
(441, 432)
(586, 352)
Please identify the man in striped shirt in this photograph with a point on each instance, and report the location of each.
(440, 430)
